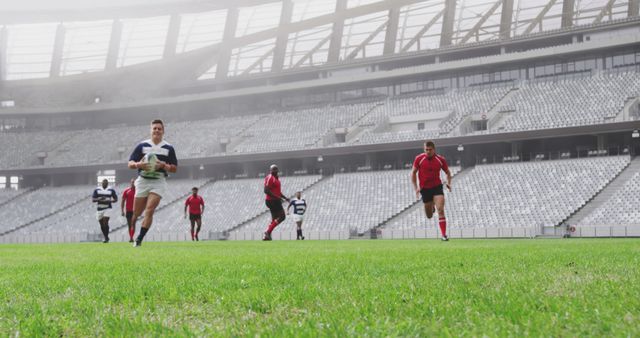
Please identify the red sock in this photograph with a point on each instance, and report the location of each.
(132, 232)
(443, 226)
(272, 226)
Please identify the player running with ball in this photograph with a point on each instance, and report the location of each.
(426, 170)
(154, 159)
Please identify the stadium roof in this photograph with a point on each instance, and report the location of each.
(40, 39)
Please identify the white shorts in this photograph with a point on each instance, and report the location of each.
(145, 186)
(297, 218)
(104, 213)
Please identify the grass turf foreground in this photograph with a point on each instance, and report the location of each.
(325, 288)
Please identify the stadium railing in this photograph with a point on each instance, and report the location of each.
(424, 233)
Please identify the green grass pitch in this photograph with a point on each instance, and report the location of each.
(565, 288)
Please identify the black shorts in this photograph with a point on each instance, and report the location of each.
(194, 217)
(275, 206)
(427, 194)
(129, 215)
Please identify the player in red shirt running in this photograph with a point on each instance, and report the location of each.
(426, 169)
(196, 208)
(274, 199)
(127, 204)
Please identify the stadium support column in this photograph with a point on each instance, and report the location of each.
(283, 36)
(392, 31)
(56, 57)
(3, 53)
(172, 36)
(601, 142)
(567, 13)
(447, 22)
(475, 30)
(634, 8)
(114, 45)
(224, 56)
(506, 19)
(516, 149)
(337, 31)
(538, 19)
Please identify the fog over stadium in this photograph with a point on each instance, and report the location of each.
(341, 94)
(319, 168)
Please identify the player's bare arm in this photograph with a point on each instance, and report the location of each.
(268, 192)
(138, 165)
(166, 166)
(448, 178)
(414, 181)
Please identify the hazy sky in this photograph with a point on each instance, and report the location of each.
(86, 42)
(25, 5)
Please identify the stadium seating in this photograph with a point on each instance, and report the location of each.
(571, 102)
(8, 194)
(461, 102)
(526, 194)
(193, 140)
(370, 137)
(534, 105)
(21, 149)
(39, 203)
(299, 129)
(95, 146)
(80, 215)
(351, 201)
(621, 208)
(521, 194)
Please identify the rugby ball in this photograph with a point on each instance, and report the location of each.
(151, 159)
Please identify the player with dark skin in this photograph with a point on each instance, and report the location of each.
(274, 200)
(125, 205)
(296, 203)
(195, 205)
(104, 221)
(427, 167)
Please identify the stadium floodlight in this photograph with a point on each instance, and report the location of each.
(202, 167)
(635, 133)
(460, 147)
(320, 159)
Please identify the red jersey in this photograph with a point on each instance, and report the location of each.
(429, 170)
(194, 204)
(128, 196)
(273, 183)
